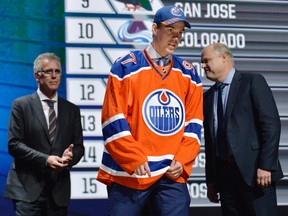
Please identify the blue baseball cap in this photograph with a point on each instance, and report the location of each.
(169, 15)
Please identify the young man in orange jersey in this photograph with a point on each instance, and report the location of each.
(151, 121)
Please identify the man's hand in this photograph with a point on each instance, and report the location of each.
(263, 178)
(143, 169)
(68, 154)
(175, 170)
(212, 195)
(56, 163)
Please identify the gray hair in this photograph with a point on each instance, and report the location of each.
(220, 49)
(40, 58)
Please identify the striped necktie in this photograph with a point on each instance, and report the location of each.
(161, 61)
(52, 121)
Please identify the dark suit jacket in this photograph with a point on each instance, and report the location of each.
(29, 145)
(252, 128)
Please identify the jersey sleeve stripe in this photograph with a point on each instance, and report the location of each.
(197, 121)
(113, 118)
(193, 135)
(115, 127)
(195, 129)
(116, 136)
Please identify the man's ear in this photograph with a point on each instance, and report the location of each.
(37, 76)
(154, 28)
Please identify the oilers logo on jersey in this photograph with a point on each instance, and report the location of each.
(163, 112)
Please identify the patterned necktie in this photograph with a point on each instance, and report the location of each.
(221, 142)
(52, 120)
(161, 61)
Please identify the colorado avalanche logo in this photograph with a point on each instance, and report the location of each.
(163, 112)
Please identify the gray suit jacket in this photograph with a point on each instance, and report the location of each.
(252, 128)
(29, 145)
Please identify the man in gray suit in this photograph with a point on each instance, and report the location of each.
(45, 139)
(242, 133)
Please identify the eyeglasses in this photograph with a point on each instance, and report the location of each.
(49, 72)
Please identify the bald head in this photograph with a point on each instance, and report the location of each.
(217, 61)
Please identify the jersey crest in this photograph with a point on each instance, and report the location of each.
(163, 112)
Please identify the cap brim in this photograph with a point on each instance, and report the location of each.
(187, 24)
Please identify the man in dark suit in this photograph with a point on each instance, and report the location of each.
(242, 140)
(45, 140)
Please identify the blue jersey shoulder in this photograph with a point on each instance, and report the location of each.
(186, 68)
(129, 63)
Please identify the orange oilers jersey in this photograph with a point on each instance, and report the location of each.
(150, 114)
